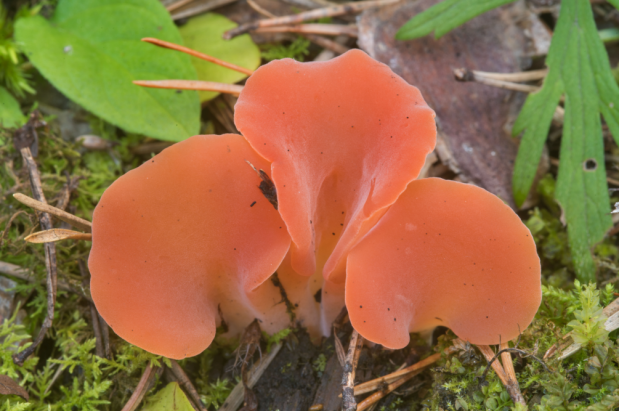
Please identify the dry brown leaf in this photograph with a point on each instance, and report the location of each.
(474, 120)
(10, 387)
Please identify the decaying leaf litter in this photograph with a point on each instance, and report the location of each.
(68, 369)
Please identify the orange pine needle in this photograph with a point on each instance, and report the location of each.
(194, 53)
(233, 89)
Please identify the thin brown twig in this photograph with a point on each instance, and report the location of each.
(510, 373)
(233, 89)
(308, 15)
(511, 385)
(68, 218)
(57, 234)
(490, 356)
(200, 8)
(522, 353)
(177, 5)
(416, 368)
(318, 40)
(186, 383)
(105, 333)
(326, 43)
(235, 398)
(348, 377)
(261, 10)
(372, 399)
(93, 312)
(517, 77)
(64, 196)
(8, 226)
(462, 74)
(147, 377)
(199, 55)
(50, 255)
(20, 273)
(323, 29)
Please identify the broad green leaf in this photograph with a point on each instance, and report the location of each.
(10, 113)
(445, 16)
(91, 51)
(579, 70)
(204, 34)
(614, 2)
(171, 397)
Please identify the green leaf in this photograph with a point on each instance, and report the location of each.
(446, 16)
(579, 70)
(204, 34)
(91, 51)
(171, 397)
(614, 3)
(10, 113)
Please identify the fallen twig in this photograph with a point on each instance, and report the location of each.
(200, 8)
(8, 226)
(611, 312)
(23, 139)
(199, 55)
(491, 357)
(186, 383)
(105, 333)
(68, 218)
(261, 10)
(177, 5)
(416, 368)
(233, 89)
(372, 399)
(62, 199)
(143, 385)
(319, 40)
(510, 373)
(331, 45)
(509, 381)
(323, 29)
(18, 272)
(93, 312)
(57, 234)
(348, 377)
(306, 16)
(235, 398)
(462, 74)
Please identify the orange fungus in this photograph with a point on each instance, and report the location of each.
(184, 240)
(345, 137)
(449, 254)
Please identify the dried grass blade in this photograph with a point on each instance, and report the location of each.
(57, 234)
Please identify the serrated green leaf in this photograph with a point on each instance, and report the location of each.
(171, 397)
(446, 16)
(10, 113)
(91, 51)
(579, 69)
(204, 34)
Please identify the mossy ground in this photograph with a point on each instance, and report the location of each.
(65, 373)
(586, 380)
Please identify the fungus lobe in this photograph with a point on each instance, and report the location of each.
(175, 239)
(345, 137)
(449, 254)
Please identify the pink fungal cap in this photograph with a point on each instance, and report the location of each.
(449, 254)
(345, 137)
(183, 236)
